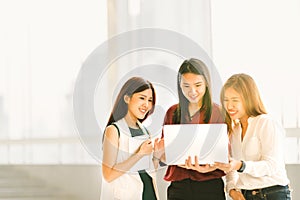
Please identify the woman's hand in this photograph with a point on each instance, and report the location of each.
(145, 148)
(236, 195)
(228, 167)
(199, 168)
(159, 148)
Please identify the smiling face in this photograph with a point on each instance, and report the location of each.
(139, 104)
(234, 105)
(193, 87)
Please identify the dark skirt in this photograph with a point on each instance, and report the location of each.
(148, 189)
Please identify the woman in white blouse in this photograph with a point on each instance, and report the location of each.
(256, 169)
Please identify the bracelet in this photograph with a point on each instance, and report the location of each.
(238, 190)
(242, 168)
(235, 189)
(155, 158)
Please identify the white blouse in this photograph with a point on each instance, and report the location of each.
(129, 186)
(263, 152)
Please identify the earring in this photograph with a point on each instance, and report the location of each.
(126, 99)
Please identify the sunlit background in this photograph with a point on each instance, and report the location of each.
(44, 43)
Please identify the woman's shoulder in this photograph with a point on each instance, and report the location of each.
(172, 108)
(112, 131)
(216, 109)
(216, 114)
(264, 119)
(267, 122)
(169, 114)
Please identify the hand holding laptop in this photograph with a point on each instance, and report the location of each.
(197, 167)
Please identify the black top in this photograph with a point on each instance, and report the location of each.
(148, 189)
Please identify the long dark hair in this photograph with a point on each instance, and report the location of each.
(197, 67)
(246, 87)
(132, 86)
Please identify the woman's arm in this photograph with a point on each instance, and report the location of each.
(236, 195)
(271, 140)
(159, 152)
(110, 168)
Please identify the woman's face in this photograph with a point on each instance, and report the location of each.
(193, 87)
(234, 105)
(140, 103)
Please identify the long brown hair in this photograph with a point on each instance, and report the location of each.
(197, 67)
(246, 87)
(132, 86)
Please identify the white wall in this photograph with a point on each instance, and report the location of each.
(261, 38)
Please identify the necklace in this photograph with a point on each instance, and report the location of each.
(193, 107)
(193, 115)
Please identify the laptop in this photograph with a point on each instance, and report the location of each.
(207, 141)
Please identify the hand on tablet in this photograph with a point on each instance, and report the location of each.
(228, 167)
(145, 148)
(200, 168)
(159, 148)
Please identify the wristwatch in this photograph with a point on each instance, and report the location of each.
(242, 168)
